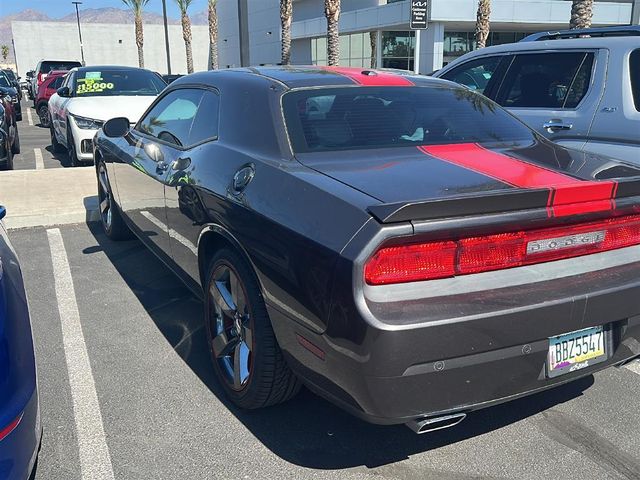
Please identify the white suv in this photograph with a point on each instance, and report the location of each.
(580, 92)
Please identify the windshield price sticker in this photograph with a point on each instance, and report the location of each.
(93, 84)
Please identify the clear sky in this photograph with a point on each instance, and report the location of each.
(59, 8)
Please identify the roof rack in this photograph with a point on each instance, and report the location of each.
(600, 32)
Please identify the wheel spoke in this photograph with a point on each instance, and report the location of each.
(223, 345)
(222, 298)
(103, 182)
(247, 336)
(236, 290)
(104, 205)
(240, 364)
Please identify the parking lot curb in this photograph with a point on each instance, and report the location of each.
(49, 197)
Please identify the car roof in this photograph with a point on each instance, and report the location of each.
(106, 68)
(316, 76)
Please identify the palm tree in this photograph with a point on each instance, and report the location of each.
(213, 35)
(373, 39)
(581, 14)
(183, 5)
(286, 15)
(332, 12)
(482, 23)
(137, 6)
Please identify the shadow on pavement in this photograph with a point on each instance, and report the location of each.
(63, 158)
(307, 431)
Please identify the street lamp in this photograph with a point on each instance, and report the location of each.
(79, 31)
(166, 35)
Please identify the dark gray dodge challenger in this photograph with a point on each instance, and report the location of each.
(399, 244)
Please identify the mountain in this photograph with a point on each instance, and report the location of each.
(87, 15)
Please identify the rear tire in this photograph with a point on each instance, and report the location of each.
(113, 224)
(8, 164)
(43, 114)
(241, 338)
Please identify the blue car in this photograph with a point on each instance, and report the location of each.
(20, 429)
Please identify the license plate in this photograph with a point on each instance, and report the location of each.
(575, 351)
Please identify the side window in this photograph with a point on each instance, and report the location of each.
(547, 80)
(634, 69)
(183, 117)
(475, 74)
(56, 83)
(205, 125)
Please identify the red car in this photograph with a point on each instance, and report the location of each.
(48, 87)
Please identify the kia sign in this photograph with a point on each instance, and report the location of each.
(419, 14)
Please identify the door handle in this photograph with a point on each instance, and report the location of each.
(554, 125)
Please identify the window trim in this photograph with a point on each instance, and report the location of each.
(501, 90)
(160, 97)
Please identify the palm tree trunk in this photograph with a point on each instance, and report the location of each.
(286, 15)
(581, 14)
(483, 26)
(332, 12)
(213, 36)
(373, 38)
(139, 40)
(186, 35)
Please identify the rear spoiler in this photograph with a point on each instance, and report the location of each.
(558, 202)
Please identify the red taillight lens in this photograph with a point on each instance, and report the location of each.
(428, 261)
(10, 428)
(409, 263)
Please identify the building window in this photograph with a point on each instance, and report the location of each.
(457, 44)
(398, 50)
(355, 50)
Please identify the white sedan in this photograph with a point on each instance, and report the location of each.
(89, 96)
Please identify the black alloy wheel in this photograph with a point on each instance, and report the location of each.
(8, 165)
(71, 148)
(57, 146)
(112, 223)
(43, 114)
(247, 359)
(15, 147)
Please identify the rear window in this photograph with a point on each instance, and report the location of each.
(48, 66)
(320, 120)
(634, 68)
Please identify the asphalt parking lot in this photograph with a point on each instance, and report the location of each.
(127, 390)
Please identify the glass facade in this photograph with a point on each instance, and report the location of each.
(355, 50)
(398, 47)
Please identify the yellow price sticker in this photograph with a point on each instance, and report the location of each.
(93, 85)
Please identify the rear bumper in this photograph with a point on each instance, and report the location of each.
(391, 362)
(19, 450)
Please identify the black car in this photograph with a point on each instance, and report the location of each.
(399, 244)
(15, 81)
(7, 88)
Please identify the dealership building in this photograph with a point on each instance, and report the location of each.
(250, 29)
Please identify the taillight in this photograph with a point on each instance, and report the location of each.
(432, 260)
(41, 77)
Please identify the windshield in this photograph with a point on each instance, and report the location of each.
(4, 81)
(10, 75)
(321, 120)
(47, 67)
(117, 82)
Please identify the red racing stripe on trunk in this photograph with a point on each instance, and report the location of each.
(374, 79)
(567, 195)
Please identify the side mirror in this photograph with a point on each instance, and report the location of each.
(116, 127)
(63, 92)
(3, 212)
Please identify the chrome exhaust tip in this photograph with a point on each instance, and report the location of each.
(432, 424)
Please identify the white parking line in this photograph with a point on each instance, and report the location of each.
(172, 233)
(39, 161)
(29, 117)
(95, 460)
(634, 367)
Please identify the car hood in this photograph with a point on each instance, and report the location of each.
(105, 108)
(406, 174)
